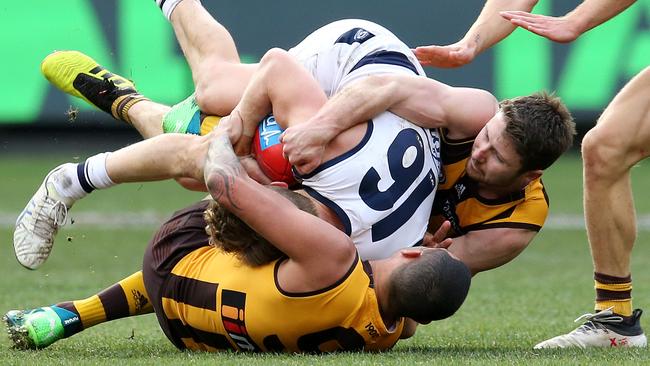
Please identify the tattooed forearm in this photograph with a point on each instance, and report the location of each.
(221, 187)
(221, 169)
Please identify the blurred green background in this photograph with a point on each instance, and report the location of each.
(133, 38)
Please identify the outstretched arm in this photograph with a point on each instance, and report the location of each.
(589, 14)
(482, 250)
(423, 101)
(319, 253)
(487, 30)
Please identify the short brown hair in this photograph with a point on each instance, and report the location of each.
(541, 128)
(232, 235)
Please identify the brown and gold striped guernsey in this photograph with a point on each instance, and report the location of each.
(458, 201)
(212, 301)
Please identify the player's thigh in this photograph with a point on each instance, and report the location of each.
(623, 130)
(220, 86)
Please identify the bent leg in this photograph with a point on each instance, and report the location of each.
(53, 323)
(620, 139)
(159, 158)
(219, 77)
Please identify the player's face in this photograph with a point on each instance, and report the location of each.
(494, 160)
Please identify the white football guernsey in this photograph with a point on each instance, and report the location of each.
(382, 190)
(346, 50)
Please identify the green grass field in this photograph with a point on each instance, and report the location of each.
(508, 310)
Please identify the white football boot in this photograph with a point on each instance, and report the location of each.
(602, 329)
(39, 222)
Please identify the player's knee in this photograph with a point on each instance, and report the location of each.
(203, 96)
(274, 57)
(215, 88)
(601, 154)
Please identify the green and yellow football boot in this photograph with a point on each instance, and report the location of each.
(39, 328)
(79, 75)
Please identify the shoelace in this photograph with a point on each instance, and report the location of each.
(56, 216)
(597, 320)
(60, 213)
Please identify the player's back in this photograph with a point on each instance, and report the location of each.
(212, 301)
(380, 179)
(343, 51)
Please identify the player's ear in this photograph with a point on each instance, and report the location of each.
(411, 252)
(279, 184)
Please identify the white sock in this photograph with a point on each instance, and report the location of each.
(167, 6)
(66, 184)
(74, 181)
(95, 172)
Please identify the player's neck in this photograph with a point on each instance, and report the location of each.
(324, 212)
(381, 270)
(494, 192)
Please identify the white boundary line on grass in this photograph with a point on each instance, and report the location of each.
(149, 219)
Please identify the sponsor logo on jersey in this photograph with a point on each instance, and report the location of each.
(270, 132)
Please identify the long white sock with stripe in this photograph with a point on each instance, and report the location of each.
(75, 181)
(95, 172)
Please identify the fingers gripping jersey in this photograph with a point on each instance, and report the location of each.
(211, 302)
(383, 189)
(347, 50)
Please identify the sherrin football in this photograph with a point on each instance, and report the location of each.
(267, 150)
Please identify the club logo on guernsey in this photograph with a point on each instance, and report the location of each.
(270, 132)
(460, 189)
(361, 35)
(435, 152)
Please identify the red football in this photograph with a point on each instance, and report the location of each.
(267, 150)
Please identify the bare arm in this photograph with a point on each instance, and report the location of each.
(482, 250)
(282, 86)
(423, 101)
(587, 15)
(487, 30)
(319, 253)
